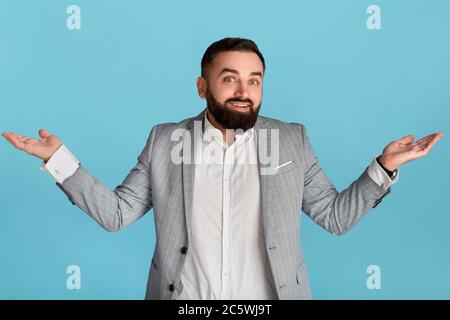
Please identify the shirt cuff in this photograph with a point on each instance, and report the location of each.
(381, 178)
(61, 165)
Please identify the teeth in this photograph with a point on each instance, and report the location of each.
(240, 105)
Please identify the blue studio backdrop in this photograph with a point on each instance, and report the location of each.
(102, 84)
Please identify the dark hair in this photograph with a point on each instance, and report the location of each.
(230, 44)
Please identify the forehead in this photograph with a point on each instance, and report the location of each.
(243, 62)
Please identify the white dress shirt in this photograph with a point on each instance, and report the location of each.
(227, 257)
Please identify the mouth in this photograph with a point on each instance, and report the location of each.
(239, 105)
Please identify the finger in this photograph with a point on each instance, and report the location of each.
(423, 142)
(44, 133)
(433, 141)
(404, 142)
(407, 139)
(423, 149)
(14, 140)
(7, 137)
(16, 136)
(423, 139)
(427, 139)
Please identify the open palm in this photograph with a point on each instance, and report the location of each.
(43, 148)
(404, 150)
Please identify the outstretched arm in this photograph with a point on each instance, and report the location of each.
(112, 209)
(338, 212)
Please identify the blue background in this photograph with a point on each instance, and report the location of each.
(134, 64)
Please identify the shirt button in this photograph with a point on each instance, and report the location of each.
(171, 287)
(184, 250)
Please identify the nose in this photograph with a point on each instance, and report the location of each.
(241, 91)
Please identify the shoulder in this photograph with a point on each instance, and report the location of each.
(287, 129)
(164, 131)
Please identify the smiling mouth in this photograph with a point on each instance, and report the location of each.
(239, 105)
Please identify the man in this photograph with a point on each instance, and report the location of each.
(227, 227)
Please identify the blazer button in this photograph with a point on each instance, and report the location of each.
(184, 250)
(171, 287)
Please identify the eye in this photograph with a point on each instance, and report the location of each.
(229, 79)
(254, 82)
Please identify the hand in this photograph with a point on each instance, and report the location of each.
(404, 150)
(42, 149)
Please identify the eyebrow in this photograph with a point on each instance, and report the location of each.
(254, 73)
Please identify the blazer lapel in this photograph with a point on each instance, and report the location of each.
(188, 170)
(265, 180)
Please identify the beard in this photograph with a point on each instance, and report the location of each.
(229, 118)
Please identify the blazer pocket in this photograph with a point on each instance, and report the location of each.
(284, 168)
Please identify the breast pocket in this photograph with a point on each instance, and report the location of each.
(284, 168)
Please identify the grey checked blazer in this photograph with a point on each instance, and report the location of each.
(156, 182)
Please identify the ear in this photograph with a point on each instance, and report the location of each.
(201, 87)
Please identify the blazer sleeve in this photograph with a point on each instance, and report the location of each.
(337, 212)
(114, 209)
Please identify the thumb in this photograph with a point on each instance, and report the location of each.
(44, 133)
(407, 139)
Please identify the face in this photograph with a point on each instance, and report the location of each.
(232, 88)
